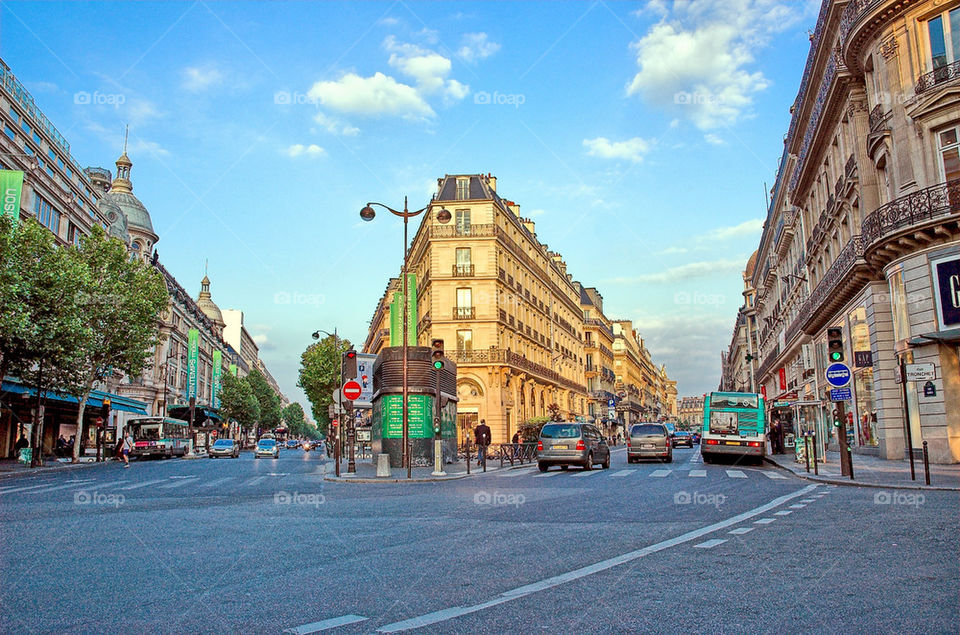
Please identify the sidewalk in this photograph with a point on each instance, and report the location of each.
(872, 471)
(367, 472)
(10, 468)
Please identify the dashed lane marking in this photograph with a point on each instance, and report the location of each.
(764, 521)
(739, 531)
(219, 481)
(659, 473)
(587, 473)
(333, 622)
(619, 473)
(698, 473)
(773, 475)
(782, 512)
(144, 484)
(736, 474)
(710, 544)
(74, 485)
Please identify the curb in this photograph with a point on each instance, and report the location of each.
(432, 479)
(854, 483)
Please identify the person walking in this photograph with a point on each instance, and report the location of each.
(481, 435)
(516, 444)
(125, 447)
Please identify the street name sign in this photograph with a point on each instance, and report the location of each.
(840, 394)
(921, 372)
(838, 375)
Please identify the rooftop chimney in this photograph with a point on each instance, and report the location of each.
(492, 181)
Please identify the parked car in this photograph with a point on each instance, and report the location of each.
(567, 444)
(649, 441)
(267, 447)
(681, 437)
(224, 447)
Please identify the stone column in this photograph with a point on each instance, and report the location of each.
(887, 392)
(859, 115)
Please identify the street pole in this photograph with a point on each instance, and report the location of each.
(906, 415)
(846, 461)
(406, 299)
(438, 437)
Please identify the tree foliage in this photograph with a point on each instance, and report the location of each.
(267, 398)
(295, 420)
(320, 376)
(238, 402)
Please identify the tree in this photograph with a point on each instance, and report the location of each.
(295, 420)
(238, 402)
(122, 300)
(554, 410)
(320, 376)
(267, 398)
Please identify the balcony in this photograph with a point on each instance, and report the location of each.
(508, 357)
(453, 231)
(941, 75)
(878, 118)
(785, 231)
(464, 313)
(463, 271)
(844, 279)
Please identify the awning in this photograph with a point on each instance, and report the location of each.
(95, 400)
(949, 336)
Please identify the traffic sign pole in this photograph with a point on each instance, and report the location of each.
(906, 415)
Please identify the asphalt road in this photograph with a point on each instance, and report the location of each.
(244, 545)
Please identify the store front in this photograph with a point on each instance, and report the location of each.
(781, 423)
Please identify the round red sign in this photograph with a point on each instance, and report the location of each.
(351, 390)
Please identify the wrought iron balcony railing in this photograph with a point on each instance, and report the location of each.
(454, 231)
(921, 206)
(940, 75)
(463, 271)
(464, 312)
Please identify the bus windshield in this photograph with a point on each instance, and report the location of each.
(147, 432)
(719, 401)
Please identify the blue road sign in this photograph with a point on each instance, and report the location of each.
(838, 375)
(840, 394)
(611, 403)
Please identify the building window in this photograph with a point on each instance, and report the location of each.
(944, 32)
(463, 189)
(465, 340)
(47, 215)
(73, 234)
(949, 141)
(464, 298)
(13, 113)
(463, 222)
(25, 126)
(10, 132)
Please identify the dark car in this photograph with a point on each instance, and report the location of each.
(682, 438)
(224, 447)
(567, 444)
(292, 444)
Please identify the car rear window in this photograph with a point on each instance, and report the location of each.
(269, 443)
(560, 431)
(222, 443)
(645, 429)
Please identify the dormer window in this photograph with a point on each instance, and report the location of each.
(463, 188)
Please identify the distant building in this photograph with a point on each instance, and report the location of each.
(690, 411)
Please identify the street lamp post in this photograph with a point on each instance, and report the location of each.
(336, 445)
(368, 214)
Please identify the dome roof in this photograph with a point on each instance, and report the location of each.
(116, 217)
(137, 215)
(207, 305)
(751, 265)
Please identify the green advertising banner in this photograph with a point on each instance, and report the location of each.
(396, 320)
(193, 361)
(388, 410)
(411, 309)
(217, 369)
(233, 369)
(11, 182)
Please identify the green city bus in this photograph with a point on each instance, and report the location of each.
(158, 436)
(734, 424)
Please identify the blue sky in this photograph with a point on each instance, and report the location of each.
(638, 136)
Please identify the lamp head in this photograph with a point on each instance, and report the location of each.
(444, 215)
(367, 213)
(316, 335)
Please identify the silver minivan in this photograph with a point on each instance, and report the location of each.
(567, 444)
(649, 441)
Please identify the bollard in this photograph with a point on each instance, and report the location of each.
(850, 454)
(926, 464)
(383, 465)
(816, 472)
(806, 451)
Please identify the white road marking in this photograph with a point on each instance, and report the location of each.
(548, 583)
(782, 512)
(333, 622)
(180, 483)
(219, 481)
(774, 475)
(587, 473)
(519, 472)
(739, 531)
(764, 521)
(623, 473)
(546, 474)
(256, 480)
(144, 484)
(659, 473)
(710, 544)
(13, 490)
(807, 500)
(736, 474)
(74, 485)
(798, 506)
(698, 473)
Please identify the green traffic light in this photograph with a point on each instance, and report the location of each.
(438, 365)
(836, 356)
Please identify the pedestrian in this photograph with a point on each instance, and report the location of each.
(516, 444)
(125, 446)
(481, 435)
(776, 443)
(20, 444)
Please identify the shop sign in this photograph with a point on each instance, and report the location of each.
(783, 378)
(947, 288)
(863, 359)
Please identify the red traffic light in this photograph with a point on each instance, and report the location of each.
(351, 354)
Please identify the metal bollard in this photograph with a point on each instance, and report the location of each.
(926, 464)
(816, 471)
(850, 454)
(806, 451)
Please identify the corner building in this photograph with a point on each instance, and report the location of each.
(863, 230)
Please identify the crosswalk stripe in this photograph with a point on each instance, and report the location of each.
(782, 512)
(13, 490)
(519, 472)
(144, 484)
(710, 544)
(736, 474)
(698, 473)
(623, 473)
(587, 473)
(180, 483)
(764, 521)
(219, 481)
(798, 506)
(58, 487)
(659, 473)
(739, 531)
(774, 475)
(545, 474)
(256, 480)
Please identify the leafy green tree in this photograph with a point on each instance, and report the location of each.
(267, 398)
(320, 376)
(295, 420)
(238, 402)
(122, 300)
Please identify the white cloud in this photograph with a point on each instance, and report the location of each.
(670, 251)
(335, 126)
(428, 68)
(630, 150)
(536, 212)
(263, 342)
(689, 271)
(476, 47)
(196, 78)
(713, 139)
(300, 150)
(751, 227)
(696, 61)
(371, 96)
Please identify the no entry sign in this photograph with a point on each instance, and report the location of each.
(352, 390)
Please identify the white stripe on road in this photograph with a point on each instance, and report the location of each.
(334, 622)
(798, 506)
(764, 521)
(736, 474)
(739, 531)
(180, 483)
(623, 473)
(219, 481)
(144, 484)
(254, 481)
(806, 500)
(782, 512)
(698, 473)
(76, 485)
(546, 474)
(13, 490)
(710, 544)
(587, 473)
(548, 583)
(659, 473)
(773, 475)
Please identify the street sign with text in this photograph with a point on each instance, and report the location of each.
(921, 372)
(840, 394)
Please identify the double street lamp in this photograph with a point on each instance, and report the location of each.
(443, 216)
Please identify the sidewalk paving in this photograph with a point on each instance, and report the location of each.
(872, 471)
(367, 472)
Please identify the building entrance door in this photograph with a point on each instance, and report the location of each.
(466, 422)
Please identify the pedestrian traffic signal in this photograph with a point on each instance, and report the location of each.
(437, 354)
(835, 344)
(349, 364)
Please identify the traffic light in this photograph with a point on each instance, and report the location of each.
(436, 425)
(835, 344)
(437, 354)
(105, 411)
(836, 418)
(349, 364)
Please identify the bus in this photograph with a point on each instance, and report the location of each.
(159, 436)
(734, 424)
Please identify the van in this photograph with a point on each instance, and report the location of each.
(567, 444)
